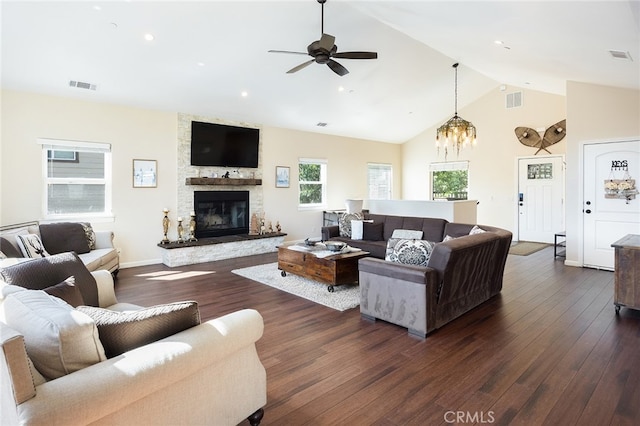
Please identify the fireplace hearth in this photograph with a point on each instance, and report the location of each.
(220, 213)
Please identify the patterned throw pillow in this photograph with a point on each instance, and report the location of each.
(31, 245)
(476, 230)
(409, 252)
(344, 223)
(91, 235)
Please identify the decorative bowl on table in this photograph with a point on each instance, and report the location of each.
(312, 241)
(335, 246)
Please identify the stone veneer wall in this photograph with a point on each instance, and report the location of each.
(185, 169)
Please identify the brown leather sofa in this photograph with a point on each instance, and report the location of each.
(461, 273)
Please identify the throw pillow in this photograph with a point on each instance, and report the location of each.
(66, 291)
(59, 339)
(9, 249)
(357, 229)
(63, 237)
(448, 238)
(38, 274)
(372, 231)
(344, 223)
(476, 230)
(409, 252)
(90, 234)
(123, 331)
(31, 246)
(408, 234)
(2, 256)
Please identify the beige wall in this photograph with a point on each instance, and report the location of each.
(346, 168)
(133, 134)
(493, 162)
(146, 134)
(594, 114)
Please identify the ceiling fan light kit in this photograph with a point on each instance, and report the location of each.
(322, 51)
(457, 131)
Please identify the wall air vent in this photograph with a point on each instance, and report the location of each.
(513, 100)
(619, 54)
(82, 85)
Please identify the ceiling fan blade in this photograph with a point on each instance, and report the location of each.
(356, 55)
(337, 68)
(327, 41)
(288, 51)
(299, 67)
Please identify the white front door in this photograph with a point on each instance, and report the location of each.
(540, 198)
(606, 218)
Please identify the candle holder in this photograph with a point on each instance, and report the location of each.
(192, 228)
(180, 231)
(165, 227)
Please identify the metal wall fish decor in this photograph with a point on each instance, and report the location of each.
(530, 137)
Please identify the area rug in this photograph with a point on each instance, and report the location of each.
(344, 297)
(525, 248)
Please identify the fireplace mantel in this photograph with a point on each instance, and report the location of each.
(223, 181)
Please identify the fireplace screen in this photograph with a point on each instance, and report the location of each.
(221, 213)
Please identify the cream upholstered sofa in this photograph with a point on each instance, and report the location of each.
(206, 374)
(95, 248)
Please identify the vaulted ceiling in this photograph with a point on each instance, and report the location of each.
(211, 58)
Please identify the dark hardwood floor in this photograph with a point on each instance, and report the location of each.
(548, 350)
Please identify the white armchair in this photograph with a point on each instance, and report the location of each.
(207, 374)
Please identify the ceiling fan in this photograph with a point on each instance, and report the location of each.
(322, 51)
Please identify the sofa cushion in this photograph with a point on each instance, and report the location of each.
(63, 237)
(59, 339)
(31, 246)
(123, 331)
(344, 223)
(409, 251)
(372, 231)
(66, 291)
(38, 274)
(99, 258)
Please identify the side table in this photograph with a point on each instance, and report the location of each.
(562, 244)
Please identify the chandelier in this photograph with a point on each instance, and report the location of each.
(457, 131)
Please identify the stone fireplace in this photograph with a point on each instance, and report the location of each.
(220, 213)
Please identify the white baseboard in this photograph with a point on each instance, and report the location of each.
(140, 263)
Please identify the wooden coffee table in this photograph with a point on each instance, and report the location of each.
(336, 269)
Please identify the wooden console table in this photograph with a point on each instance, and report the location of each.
(627, 272)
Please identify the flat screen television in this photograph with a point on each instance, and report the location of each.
(222, 145)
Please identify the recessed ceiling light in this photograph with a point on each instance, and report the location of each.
(149, 37)
(201, 64)
(244, 94)
(96, 7)
(340, 89)
(500, 42)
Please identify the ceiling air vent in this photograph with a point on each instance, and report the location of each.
(82, 85)
(321, 124)
(513, 100)
(619, 54)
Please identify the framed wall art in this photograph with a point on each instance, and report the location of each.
(282, 177)
(145, 173)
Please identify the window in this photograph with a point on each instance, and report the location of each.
(77, 178)
(379, 181)
(312, 180)
(449, 181)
